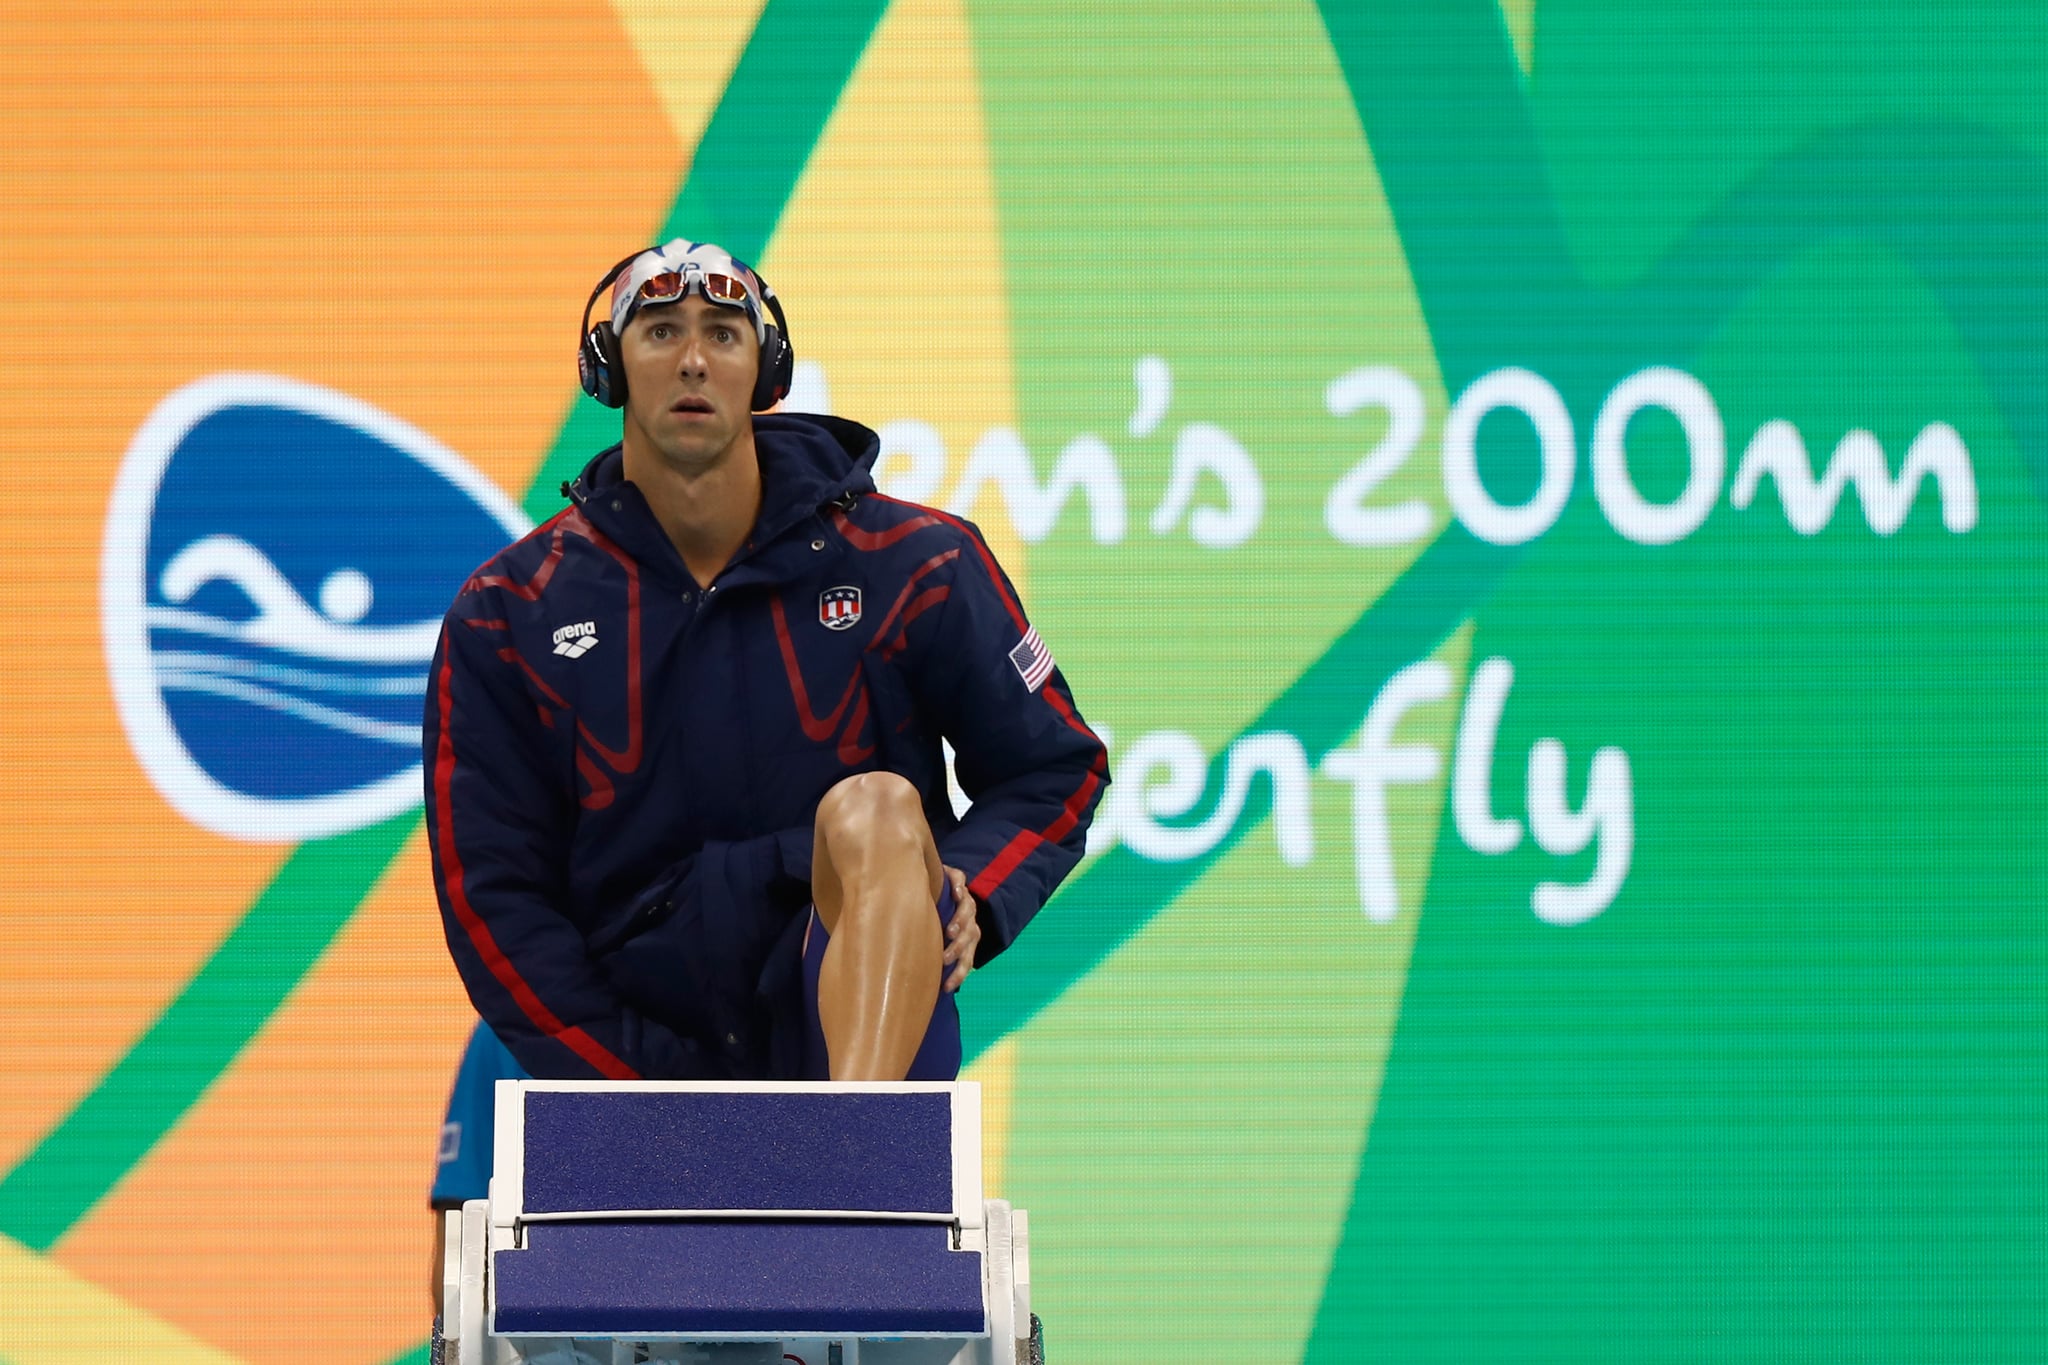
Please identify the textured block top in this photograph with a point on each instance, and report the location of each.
(640, 1149)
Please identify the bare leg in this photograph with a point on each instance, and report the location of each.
(875, 878)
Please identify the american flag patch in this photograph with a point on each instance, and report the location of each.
(1032, 659)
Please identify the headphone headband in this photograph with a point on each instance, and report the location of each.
(583, 328)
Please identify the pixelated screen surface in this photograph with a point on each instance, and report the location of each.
(1544, 500)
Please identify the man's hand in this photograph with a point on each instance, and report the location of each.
(963, 935)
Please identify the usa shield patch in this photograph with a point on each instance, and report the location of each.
(839, 608)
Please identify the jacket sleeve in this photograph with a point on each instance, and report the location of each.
(499, 830)
(1024, 756)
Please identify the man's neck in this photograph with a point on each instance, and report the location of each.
(707, 513)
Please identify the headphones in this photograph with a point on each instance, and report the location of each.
(603, 371)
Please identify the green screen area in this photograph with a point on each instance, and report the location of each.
(1781, 1095)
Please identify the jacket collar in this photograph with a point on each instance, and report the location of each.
(809, 463)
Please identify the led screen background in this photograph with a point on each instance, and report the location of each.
(1545, 500)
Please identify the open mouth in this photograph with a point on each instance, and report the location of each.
(691, 404)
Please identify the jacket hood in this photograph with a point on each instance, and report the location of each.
(808, 461)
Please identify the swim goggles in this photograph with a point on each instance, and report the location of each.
(726, 288)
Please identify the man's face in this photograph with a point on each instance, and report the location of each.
(690, 369)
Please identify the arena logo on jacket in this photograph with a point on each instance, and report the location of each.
(276, 563)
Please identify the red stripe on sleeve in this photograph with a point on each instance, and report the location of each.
(577, 1041)
(1070, 813)
(1026, 842)
(1004, 863)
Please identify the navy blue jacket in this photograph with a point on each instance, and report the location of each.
(594, 721)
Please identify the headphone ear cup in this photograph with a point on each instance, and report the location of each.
(778, 367)
(599, 366)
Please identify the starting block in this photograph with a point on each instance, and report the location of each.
(829, 1224)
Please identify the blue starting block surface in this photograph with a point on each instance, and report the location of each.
(614, 1152)
(700, 1211)
(798, 1277)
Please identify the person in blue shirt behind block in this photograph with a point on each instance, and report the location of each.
(685, 784)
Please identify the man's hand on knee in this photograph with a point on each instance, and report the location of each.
(963, 932)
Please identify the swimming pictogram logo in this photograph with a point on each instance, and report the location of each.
(276, 562)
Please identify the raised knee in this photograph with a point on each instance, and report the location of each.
(868, 799)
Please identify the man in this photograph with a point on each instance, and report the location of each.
(685, 786)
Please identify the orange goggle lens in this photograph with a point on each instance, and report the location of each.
(671, 285)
